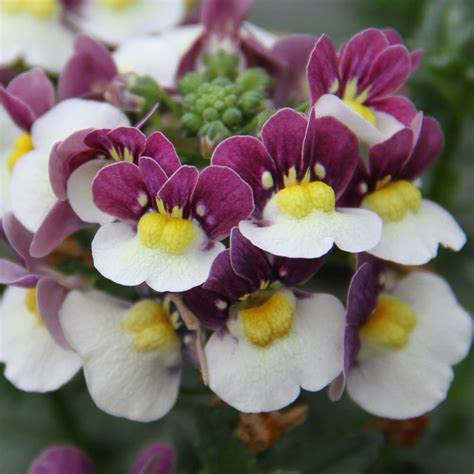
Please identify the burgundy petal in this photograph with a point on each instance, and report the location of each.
(399, 107)
(294, 51)
(283, 136)
(119, 190)
(129, 142)
(89, 69)
(248, 157)
(394, 38)
(388, 157)
(152, 174)
(210, 308)
(388, 72)
(221, 200)
(357, 187)
(178, 190)
(62, 460)
(163, 152)
(322, 69)
(18, 237)
(19, 112)
(50, 296)
(295, 271)
(190, 58)
(61, 222)
(158, 458)
(427, 150)
(331, 151)
(224, 17)
(13, 274)
(248, 261)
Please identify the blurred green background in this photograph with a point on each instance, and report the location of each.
(336, 438)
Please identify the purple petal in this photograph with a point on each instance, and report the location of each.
(221, 200)
(359, 53)
(248, 261)
(224, 17)
(394, 38)
(256, 54)
(388, 73)
(283, 136)
(13, 274)
(399, 107)
(119, 190)
(18, 237)
(357, 187)
(249, 159)
(388, 157)
(331, 151)
(89, 69)
(152, 174)
(158, 458)
(50, 296)
(61, 222)
(163, 152)
(427, 150)
(19, 112)
(190, 59)
(295, 271)
(62, 460)
(322, 69)
(207, 307)
(178, 190)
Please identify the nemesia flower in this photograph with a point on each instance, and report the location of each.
(114, 21)
(31, 30)
(131, 354)
(37, 358)
(157, 458)
(29, 99)
(413, 227)
(171, 218)
(356, 84)
(401, 342)
(297, 173)
(271, 340)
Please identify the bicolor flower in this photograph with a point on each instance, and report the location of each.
(401, 342)
(29, 99)
(298, 171)
(170, 218)
(115, 21)
(413, 227)
(130, 353)
(356, 84)
(31, 31)
(157, 458)
(270, 340)
(37, 358)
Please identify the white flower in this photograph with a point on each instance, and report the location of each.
(131, 355)
(417, 332)
(33, 361)
(30, 190)
(273, 350)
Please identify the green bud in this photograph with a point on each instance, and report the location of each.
(221, 64)
(210, 114)
(219, 105)
(211, 134)
(231, 100)
(191, 123)
(190, 83)
(200, 105)
(189, 100)
(251, 102)
(232, 117)
(253, 79)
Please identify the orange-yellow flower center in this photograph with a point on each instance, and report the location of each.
(21, 146)
(41, 9)
(118, 4)
(32, 305)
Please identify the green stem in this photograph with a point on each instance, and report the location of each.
(170, 103)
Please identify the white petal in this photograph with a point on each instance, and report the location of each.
(330, 105)
(254, 379)
(121, 381)
(120, 256)
(34, 362)
(46, 43)
(114, 26)
(9, 131)
(415, 239)
(5, 179)
(166, 50)
(79, 192)
(352, 230)
(30, 190)
(72, 115)
(407, 382)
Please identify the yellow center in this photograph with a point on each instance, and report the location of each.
(394, 200)
(118, 4)
(270, 321)
(362, 110)
(150, 325)
(173, 235)
(300, 200)
(21, 146)
(32, 305)
(41, 9)
(391, 323)
(356, 101)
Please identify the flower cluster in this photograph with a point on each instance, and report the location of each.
(171, 200)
